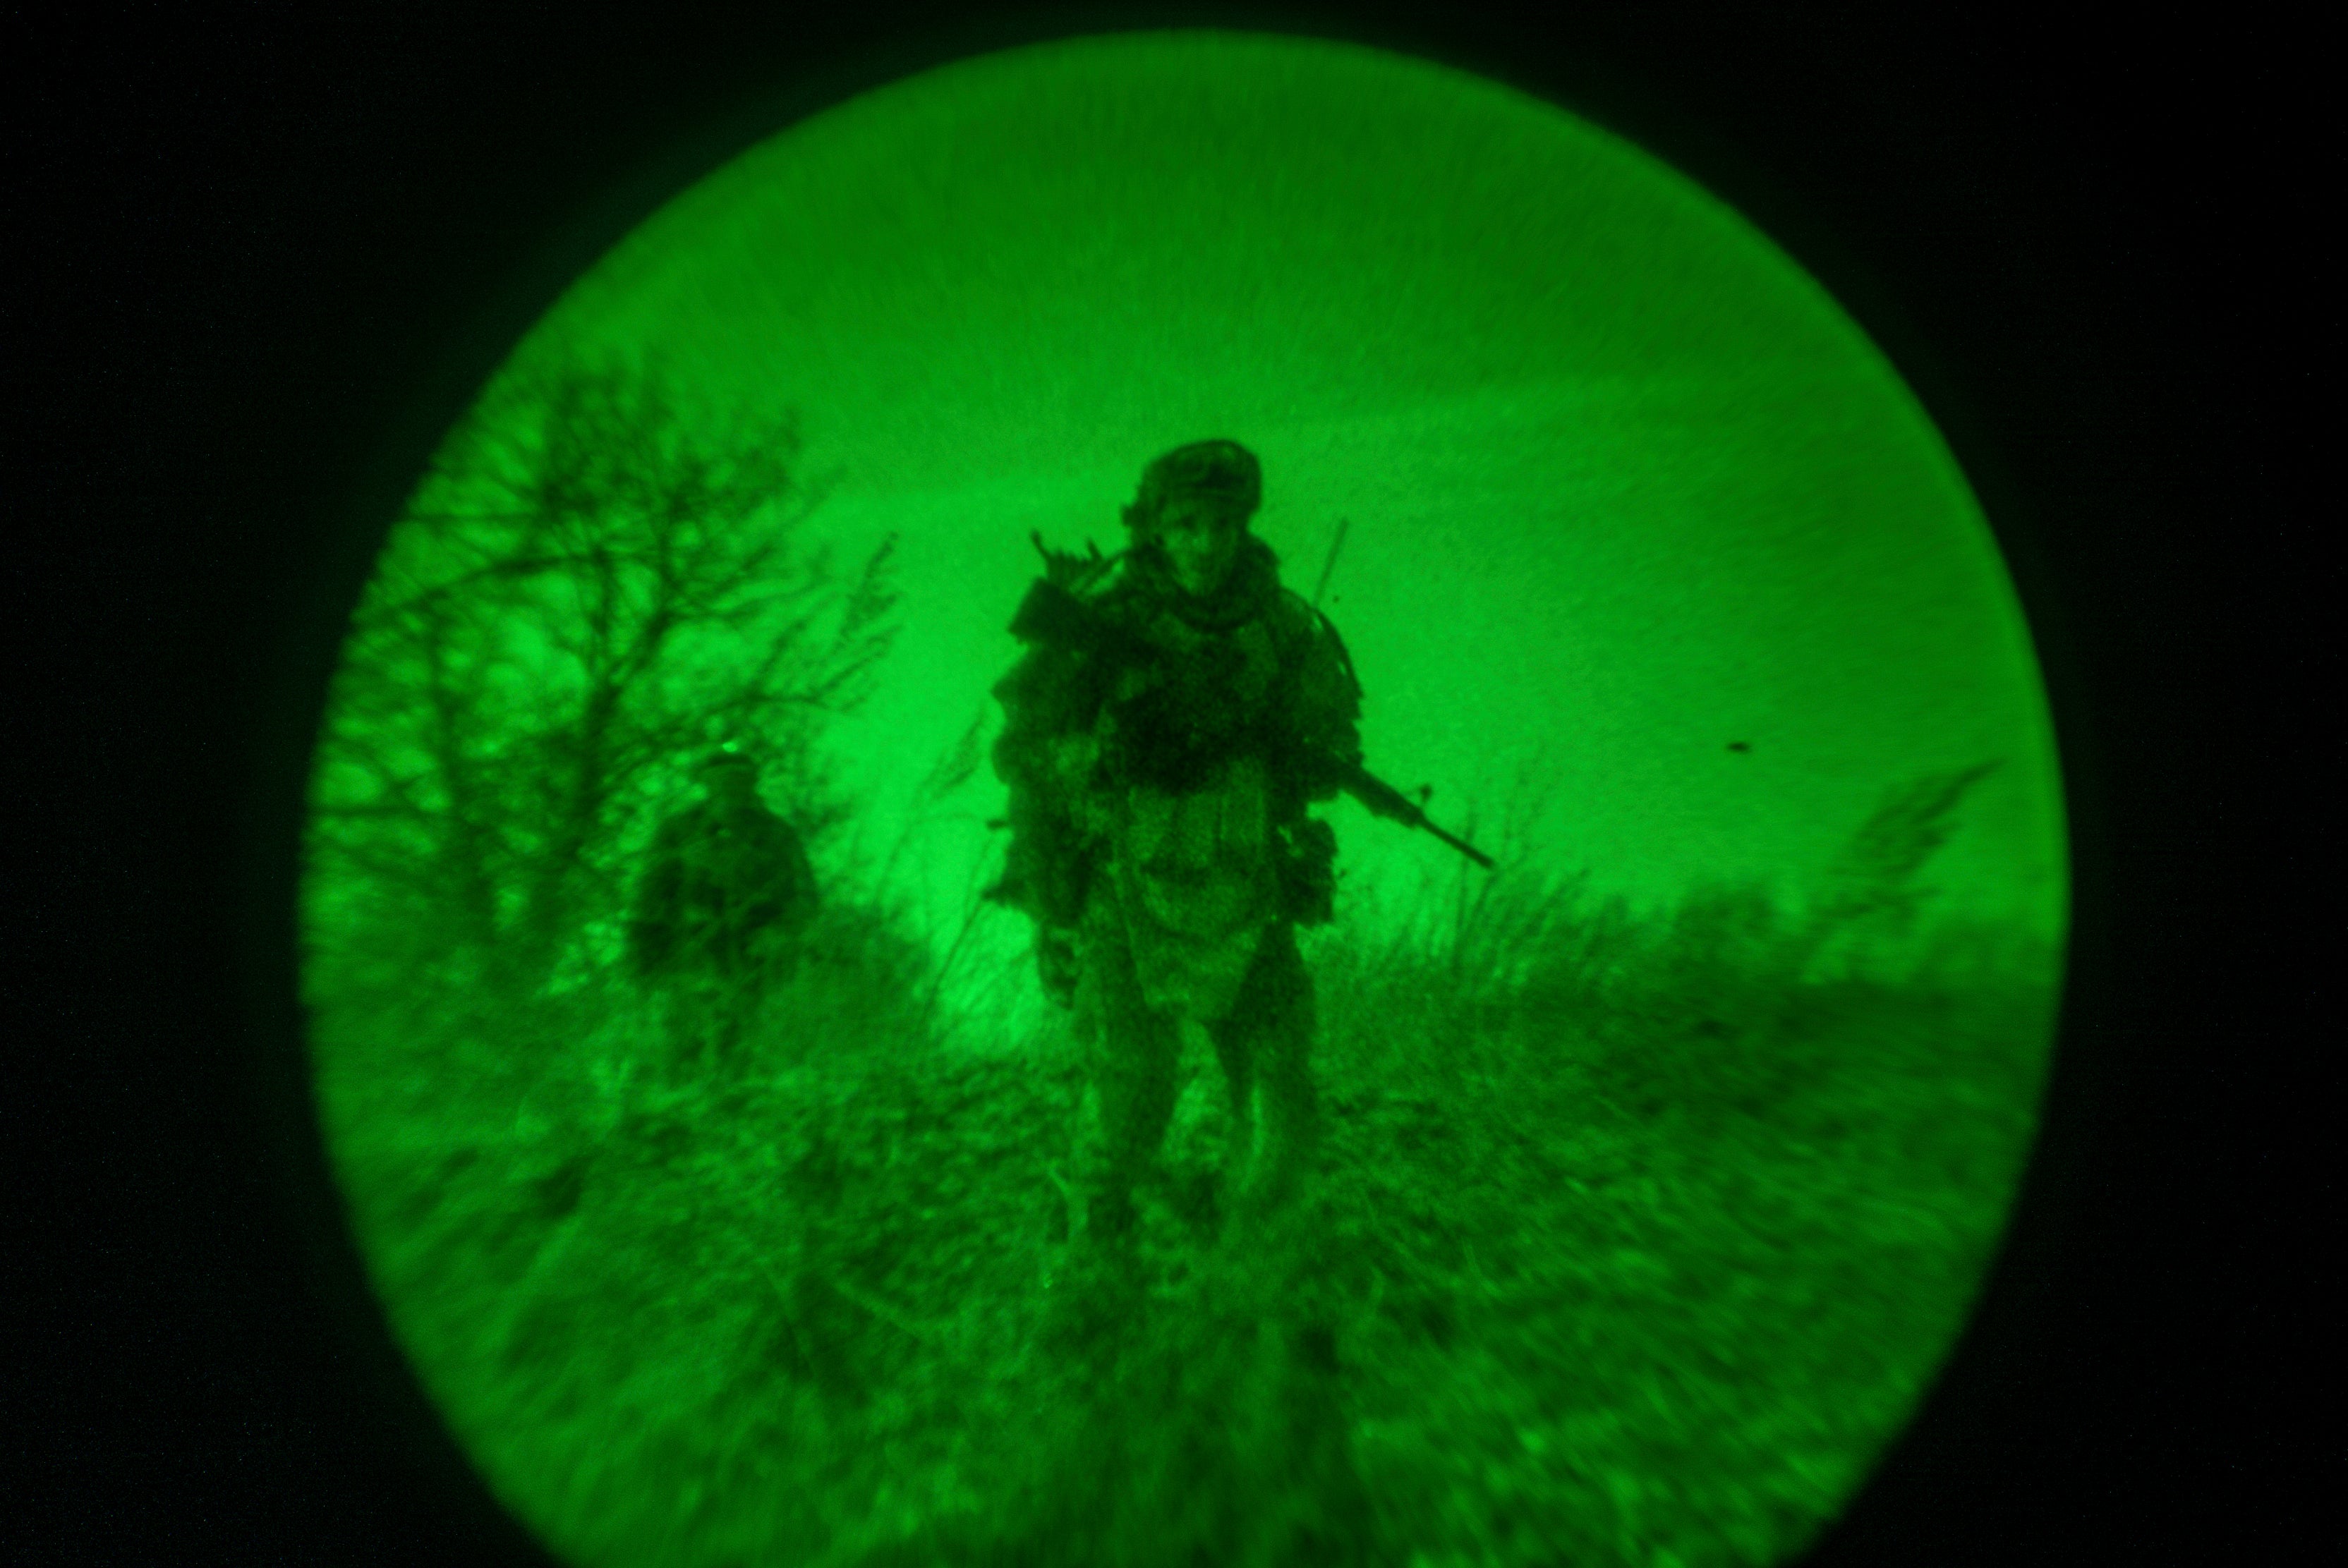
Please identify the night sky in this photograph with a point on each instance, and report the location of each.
(1626, 486)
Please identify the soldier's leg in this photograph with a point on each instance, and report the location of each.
(739, 1034)
(1235, 1049)
(1132, 1054)
(713, 1017)
(1273, 1023)
(724, 1023)
(716, 999)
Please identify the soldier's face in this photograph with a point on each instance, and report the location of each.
(1200, 538)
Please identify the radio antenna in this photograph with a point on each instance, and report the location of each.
(1331, 564)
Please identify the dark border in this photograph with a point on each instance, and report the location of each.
(281, 250)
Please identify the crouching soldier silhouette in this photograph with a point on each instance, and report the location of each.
(724, 894)
(1175, 712)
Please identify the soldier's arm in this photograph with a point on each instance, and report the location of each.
(1050, 700)
(1050, 693)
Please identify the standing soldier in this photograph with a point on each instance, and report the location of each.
(1175, 712)
(725, 892)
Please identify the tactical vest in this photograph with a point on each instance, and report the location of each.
(1170, 787)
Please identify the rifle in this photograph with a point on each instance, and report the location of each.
(1382, 799)
(1053, 617)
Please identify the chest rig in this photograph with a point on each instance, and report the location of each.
(1216, 691)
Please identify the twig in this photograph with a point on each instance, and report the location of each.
(882, 1310)
(853, 1295)
(790, 1313)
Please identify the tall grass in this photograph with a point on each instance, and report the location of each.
(1634, 1240)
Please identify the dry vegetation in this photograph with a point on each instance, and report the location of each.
(1637, 1239)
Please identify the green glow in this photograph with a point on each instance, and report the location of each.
(1664, 1162)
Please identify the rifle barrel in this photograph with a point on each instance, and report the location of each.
(1461, 844)
(1382, 799)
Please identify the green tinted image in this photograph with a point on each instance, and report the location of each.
(1185, 798)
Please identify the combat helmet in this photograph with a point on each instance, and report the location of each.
(1219, 468)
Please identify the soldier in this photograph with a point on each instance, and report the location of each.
(1176, 712)
(726, 893)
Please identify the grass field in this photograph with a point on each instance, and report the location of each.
(1634, 1243)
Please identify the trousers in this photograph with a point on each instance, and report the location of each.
(1263, 1044)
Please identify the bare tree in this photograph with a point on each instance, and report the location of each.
(589, 586)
